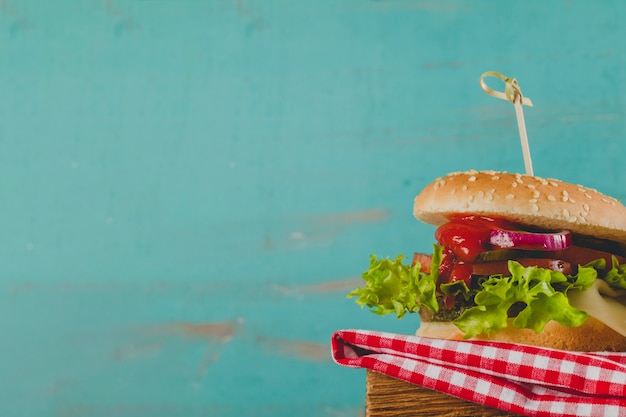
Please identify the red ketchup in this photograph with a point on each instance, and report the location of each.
(463, 239)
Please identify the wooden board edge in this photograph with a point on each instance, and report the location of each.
(390, 397)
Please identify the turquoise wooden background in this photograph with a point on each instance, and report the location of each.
(188, 189)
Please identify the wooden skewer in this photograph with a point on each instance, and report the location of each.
(513, 94)
(528, 163)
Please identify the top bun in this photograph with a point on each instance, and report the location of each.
(544, 203)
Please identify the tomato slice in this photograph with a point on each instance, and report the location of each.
(578, 255)
(424, 261)
(501, 267)
(445, 269)
(496, 262)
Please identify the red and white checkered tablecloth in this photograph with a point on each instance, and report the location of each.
(515, 378)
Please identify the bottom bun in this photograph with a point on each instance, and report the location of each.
(592, 336)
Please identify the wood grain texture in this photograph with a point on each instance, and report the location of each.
(390, 397)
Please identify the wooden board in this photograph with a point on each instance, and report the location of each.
(387, 397)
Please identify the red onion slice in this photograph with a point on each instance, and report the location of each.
(531, 241)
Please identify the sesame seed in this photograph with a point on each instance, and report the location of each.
(565, 198)
(495, 177)
(586, 207)
(453, 191)
(565, 213)
(565, 192)
(554, 184)
(470, 198)
(535, 207)
(572, 219)
(551, 197)
(536, 193)
(587, 195)
(532, 200)
(464, 188)
(472, 178)
(514, 184)
(531, 186)
(510, 196)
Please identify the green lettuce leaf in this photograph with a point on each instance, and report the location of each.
(394, 287)
(455, 288)
(544, 308)
(616, 277)
(541, 292)
(537, 295)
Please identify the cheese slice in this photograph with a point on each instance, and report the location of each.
(603, 303)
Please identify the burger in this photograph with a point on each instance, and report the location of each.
(517, 258)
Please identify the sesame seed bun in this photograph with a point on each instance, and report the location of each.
(544, 203)
(547, 204)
